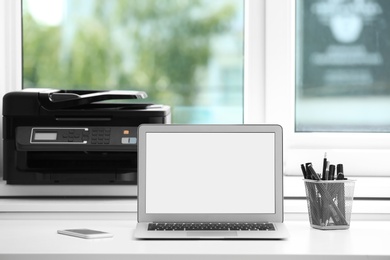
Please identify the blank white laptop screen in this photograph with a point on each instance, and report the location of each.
(202, 173)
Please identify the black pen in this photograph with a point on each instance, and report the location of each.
(308, 175)
(312, 172)
(324, 168)
(340, 172)
(341, 191)
(304, 171)
(331, 172)
(326, 177)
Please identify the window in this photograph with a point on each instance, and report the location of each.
(186, 54)
(245, 102)
(269, 78)
(364, 154)
(342, 63)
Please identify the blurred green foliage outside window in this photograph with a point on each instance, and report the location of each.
(187, 54)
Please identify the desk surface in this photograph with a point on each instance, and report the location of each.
(34, 236)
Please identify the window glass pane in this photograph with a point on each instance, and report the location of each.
(187, 54)
(342, 65)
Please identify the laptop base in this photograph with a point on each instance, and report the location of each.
(279, 233)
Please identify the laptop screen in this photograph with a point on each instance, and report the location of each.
(210, 173)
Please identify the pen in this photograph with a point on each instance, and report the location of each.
(304, 171)
(308, 175)
(331, 172)
(340, 172)
(314, 197)
(312, 172)
(341, 191)
(326, 176)
(324, 168)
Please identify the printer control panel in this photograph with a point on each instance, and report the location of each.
(62, 137)
(92, 135)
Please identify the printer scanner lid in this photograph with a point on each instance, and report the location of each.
(34, 100)
(55, 99)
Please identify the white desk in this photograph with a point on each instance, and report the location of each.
(34, 236)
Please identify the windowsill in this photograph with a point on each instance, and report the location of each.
(365, 206)
(295, 208)
(371, 197)
(365, 187)
(69, 205)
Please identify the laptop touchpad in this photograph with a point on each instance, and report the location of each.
(211, 233)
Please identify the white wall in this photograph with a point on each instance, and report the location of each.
(3, 70)
(10, 54)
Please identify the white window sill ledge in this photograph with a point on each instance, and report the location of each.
(295, 209)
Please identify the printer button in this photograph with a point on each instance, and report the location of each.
(125, 140)
(129, 140)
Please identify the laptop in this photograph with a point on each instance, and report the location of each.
(210, 182)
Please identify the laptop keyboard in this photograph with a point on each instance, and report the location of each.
(210, 226)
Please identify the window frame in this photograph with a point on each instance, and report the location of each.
(12, 46)
(268, 96)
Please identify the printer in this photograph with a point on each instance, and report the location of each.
(74, 137)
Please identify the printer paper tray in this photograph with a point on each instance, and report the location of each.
(70, 162)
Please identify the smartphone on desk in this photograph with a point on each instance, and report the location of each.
(85, 233)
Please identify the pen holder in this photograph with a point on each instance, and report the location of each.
(329, 203)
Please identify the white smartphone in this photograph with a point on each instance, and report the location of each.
(85, 233)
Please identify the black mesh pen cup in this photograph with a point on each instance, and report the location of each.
(329, 203)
